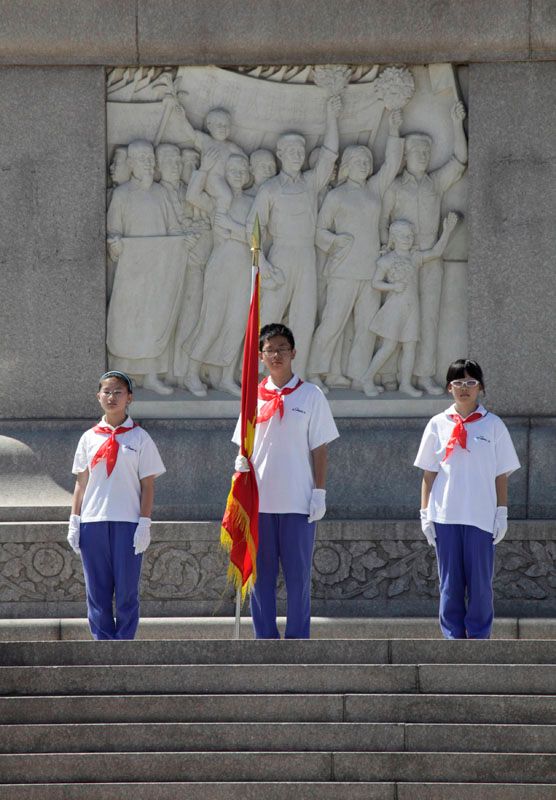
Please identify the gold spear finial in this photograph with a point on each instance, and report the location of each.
(256, 241)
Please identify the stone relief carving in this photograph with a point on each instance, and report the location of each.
(342, 570)
(397, 321)
(195, 153)
(39, 572)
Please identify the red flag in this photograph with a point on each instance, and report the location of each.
(239, 531)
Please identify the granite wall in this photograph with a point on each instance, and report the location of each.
(52, 152)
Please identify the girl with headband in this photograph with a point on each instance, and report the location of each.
(467, 455)
(116, 463)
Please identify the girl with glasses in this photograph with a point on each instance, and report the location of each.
(467, 455)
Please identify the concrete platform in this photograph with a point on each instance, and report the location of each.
(503, 709)
(270, 766)
(254, 790)
(286, 790)
(223, 628)
(271, 736)
(539, 679)
(344, 403)
(293, 652)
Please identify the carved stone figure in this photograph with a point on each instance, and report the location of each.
(169, 163)
(397, 322)
(312, 161)
(190, 160)
(416, 196)
(263, 166)
(120, 172)
(335, 377)
(198, 221)
(217, 338)
(218, 123)
(287, 206)
(348, 230)
(139, 207)
(149, 276)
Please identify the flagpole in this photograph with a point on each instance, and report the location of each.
(255, 249)
(237, 626)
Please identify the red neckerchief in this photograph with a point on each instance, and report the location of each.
(274, 400)
(109, 449)
(459, 433)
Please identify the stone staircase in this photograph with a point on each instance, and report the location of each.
(336, 719)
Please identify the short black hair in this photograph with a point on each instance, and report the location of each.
(124, 379)
(458, 368)
(275, 329)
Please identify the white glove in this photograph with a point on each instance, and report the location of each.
(427, 526)
(317, 507)
(241, 464)
(142, 538)
(500, 524)
(73, 532)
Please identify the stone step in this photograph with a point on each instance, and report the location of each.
(272, 766)
(198, 679)
(454, 708)
(458, 708)
(337, 651)
(276, 736)
(281, 679)
(473, 791)
(255, 790)
(222, 628)
(206, 791)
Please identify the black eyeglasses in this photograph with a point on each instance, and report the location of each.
(278, 351)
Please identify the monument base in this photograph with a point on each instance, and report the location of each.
(361, 568)
(344, 403)
(371, 474)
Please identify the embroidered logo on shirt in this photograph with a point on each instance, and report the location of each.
(482, 439)
(299, 410)
(127, 447)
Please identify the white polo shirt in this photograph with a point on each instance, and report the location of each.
(116, 498)
(464, 490)
(282, 451)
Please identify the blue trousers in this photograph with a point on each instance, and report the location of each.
(286, 539)
(465, 568)
(112, 570)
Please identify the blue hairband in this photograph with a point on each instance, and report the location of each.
(115, 373)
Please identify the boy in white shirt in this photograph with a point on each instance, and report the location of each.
(467, 455)
(294, 427)
(116, 463)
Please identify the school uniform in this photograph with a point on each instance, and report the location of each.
(462, 506)
(109, 515)
(284, 469)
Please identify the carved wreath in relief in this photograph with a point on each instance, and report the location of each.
(328, 157)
